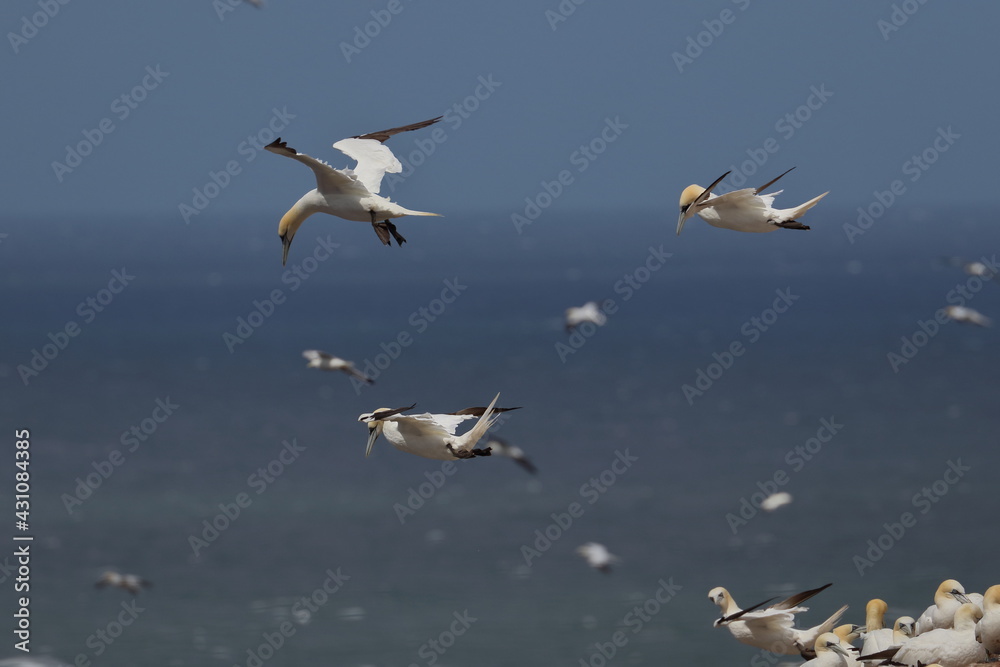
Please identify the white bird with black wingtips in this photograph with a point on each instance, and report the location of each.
(328, 362)
(351, 194)
(745, 210)
(432, 436)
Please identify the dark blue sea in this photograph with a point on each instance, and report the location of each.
(177, 434)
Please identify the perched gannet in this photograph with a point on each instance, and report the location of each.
(588, 312)
(597, 556)
(950, 595)
(948, 647)
(132, 583)
(988, 629)
(847, 633)
(771, 628)
(741, 210)
(829, 652)
(776, 500)
(432, 436)
(877, 636)
(967, 316)
(351, 194)
(503, 448)
(904, 628)
(328, 362)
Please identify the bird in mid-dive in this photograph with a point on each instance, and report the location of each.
(347, 193)
(432, 436)
(597, 556)
(328, 362)
(741, 210)
(132, 583)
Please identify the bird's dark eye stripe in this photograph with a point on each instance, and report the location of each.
(685, 208)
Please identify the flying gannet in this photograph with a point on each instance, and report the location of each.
(771, 628)
(328, 362)
(967, 315)
(597, 556)
(741, 210)
(132, 583)
(347, 193)
(588, 312)
(432, 436)
(504, 448)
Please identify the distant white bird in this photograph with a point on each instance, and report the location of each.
(432, 436)
(741, 210)
(967, 316)
(351, 194)
(948, 647)
(588, 312)
(988, 628)
(776, 500)
(328, 362)
(503, 448)
(948, 597)
(132, 583)
(829, 652)
(771, 628)
(597, 556)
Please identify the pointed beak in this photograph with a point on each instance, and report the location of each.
(681, 220)
(961, 598)
(837, 648)
(286, 243)
(372, 437)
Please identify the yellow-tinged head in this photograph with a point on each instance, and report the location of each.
(829, 642)
(967, 616)
(689, 194)
(991, 598)
(905, 625)
(848, 632)
(875, 614)
(950, 588)
(288, 225)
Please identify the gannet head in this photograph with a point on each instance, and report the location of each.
(289, 224)
(967, 616)
(829, 642)
(689, 196)
(374, 430)
(991, 598)
(875, 614)
(950, 588)
(905, 625)
(724, 601)
(848, 632)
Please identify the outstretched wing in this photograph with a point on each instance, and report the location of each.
(315, 354)
(328, 179)
(375, 160)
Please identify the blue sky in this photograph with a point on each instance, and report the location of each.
(847, 92)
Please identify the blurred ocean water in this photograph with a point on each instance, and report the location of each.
(401, 561)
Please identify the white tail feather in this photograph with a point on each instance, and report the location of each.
(469, 439)
(802, 208)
